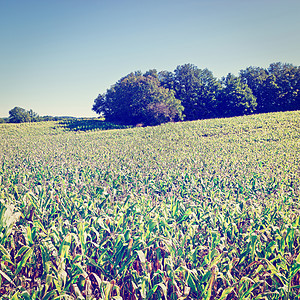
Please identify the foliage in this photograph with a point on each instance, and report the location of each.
(90, 124)
(138, 98)
(34, 117)
(197, 89)
(236, 98)
(20, 115)
(288, 82)
(276, 88)
(255, 90)
(195, 210)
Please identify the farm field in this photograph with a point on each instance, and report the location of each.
(194, 210)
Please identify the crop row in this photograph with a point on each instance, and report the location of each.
(195, 210)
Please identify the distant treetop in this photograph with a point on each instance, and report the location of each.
(20, 115)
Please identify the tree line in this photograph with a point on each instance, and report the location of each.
(21, 115)
(190, 93)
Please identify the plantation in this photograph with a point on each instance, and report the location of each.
(194, 210)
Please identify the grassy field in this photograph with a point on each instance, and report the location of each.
(195, 210)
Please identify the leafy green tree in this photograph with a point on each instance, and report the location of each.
(235, 98)
(19, 115)
(138, 98)
(152, 72)
(287, 79)
(276, 88)
(167, 79)
(255, 78)
(34, 117)
(197, 89)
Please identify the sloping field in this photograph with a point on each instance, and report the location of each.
(195, 210)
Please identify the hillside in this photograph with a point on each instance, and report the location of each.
(193, 210)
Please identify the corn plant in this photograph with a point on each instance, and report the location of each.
(196, 210)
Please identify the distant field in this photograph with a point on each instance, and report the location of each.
(194, 210)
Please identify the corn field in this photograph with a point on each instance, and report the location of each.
(194, 210)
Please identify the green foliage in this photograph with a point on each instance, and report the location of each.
(276, 88)
(287, 79)
(90, 124)
(20, 115)
(236, 98)
(192, 210)
(197, 89)
(138, 98)
(34, 117)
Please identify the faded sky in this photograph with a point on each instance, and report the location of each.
(56, 56)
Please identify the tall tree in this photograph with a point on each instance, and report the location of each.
(167, 79)
(197, 90)
(276, 88)
(18, 115)
(34, 117)
(288, 83)
(235, 98)
(138, 98)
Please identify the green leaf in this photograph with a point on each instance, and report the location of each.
(7, 278)
(22, 250)
(4, 251)
(5, 255)
(294, 271)
(151, 292)
(45, 257)
(29, 236)
(38, 224)
(151, 225)
(50, 294)
(15, 296)
(23, 261)
(255, 285)
(298, 258)
(226, 292)
(26, 295)
(216, 260)
(191, 282)
(65, 246)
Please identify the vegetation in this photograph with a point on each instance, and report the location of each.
(21, 115)
(138, 98)
(236, 98)
(189, 93)
(197, 89)
(255, 90)
(197, 210)
(276, 88)
(82, 124)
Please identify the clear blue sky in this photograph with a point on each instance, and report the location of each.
(56, 56)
